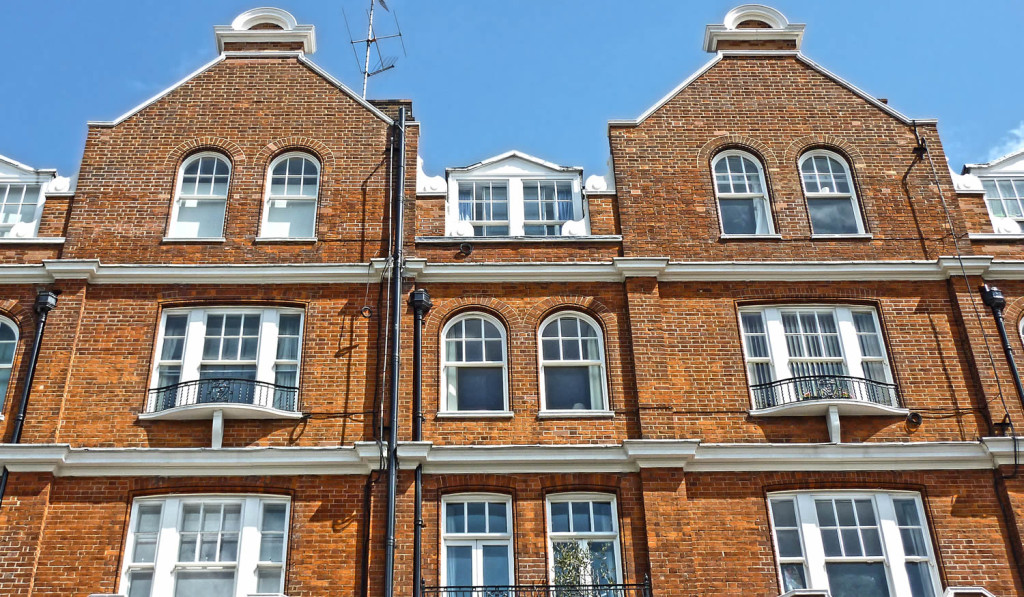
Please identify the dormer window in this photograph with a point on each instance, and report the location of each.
(19, 209)
(515, 195)
(1005, 198)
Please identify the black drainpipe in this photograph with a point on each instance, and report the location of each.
(994, 299)
(420, 303)
(397, 267)
(46, 300)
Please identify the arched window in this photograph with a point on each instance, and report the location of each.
(831, 200)
(200, 197)
(293, 187)
(474, 368)
(572, 364)
(742, 194)
(8, 346)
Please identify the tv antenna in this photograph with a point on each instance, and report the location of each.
(372, 42)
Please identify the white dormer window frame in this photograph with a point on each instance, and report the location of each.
(22, 197)
(1004, 200)
(459, 221)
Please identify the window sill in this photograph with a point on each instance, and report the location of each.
(32, 240)
(845, 406)
(575, 414)
(184, 240)
(995, 236)
(272, 239)
(858, 236)
(476, 414)
(750, 237)
(194, 412)
(452, 240)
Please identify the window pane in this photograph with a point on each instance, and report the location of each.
(204, 584)
(476, 517)
(268, 580)
(149, 519)
(793, 577)
(140, 584)
(602, 562)
(460, 565)
(906, 513)
(744, 216)
(290, 219)
(455, 517)
(496, 565)
(832, 216)
(789, 543)
(199, 219)
(480, 388)
(272, 548)
(581, 517)
(190, 517)
(145, 550)
(920, 577)
(567, 388)
(857, 580)
(560, 517)
(603, 517)
(497, 517)
(274, 517)
(784, 513)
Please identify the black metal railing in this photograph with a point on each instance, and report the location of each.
(634, 590)
(807, 388)
(224, 391)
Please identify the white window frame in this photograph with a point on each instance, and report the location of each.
(516, 205)
(9, 367)
(25, 228)
(573, 200)
(542, 364)
(268, 196)
(442, 407)
(583, 536)
(763, 196)
(477, 540)
(852, 195)
(853, 359)
(894, 556)
(1017, 181)
(192, 353)
(172, 230)
(166, 566)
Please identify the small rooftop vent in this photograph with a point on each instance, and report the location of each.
(753, 27)
(265, 29)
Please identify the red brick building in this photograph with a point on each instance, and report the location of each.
(752, 360)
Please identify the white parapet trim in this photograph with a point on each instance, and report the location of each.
(629, 456)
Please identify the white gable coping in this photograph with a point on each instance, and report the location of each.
(1011, 162)
(515, 155)
(224, 55)
(799, 56)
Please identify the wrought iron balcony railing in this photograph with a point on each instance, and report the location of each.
(634, 590)
(805, 388)
(224, 391)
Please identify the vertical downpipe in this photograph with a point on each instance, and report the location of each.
(420, 303)
(46, 300)
(397, 268)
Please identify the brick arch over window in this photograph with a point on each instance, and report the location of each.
(441, 314)
(854, 158)
(718, 144)
(1014, 312)
(489, 483)
(587, 305)
(297, 143)
(20, 315)
(825, 295)
(218, 144)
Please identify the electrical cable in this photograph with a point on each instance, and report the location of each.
(922, 143)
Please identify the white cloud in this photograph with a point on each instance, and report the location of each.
(1013, 141)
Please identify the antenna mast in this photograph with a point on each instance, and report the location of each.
(371, 42)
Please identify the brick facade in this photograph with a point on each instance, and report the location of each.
(673, 351)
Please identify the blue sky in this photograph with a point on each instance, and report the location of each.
(541, 76)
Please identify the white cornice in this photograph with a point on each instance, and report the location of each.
(34, 240)
(617, 270)
(629, 456)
